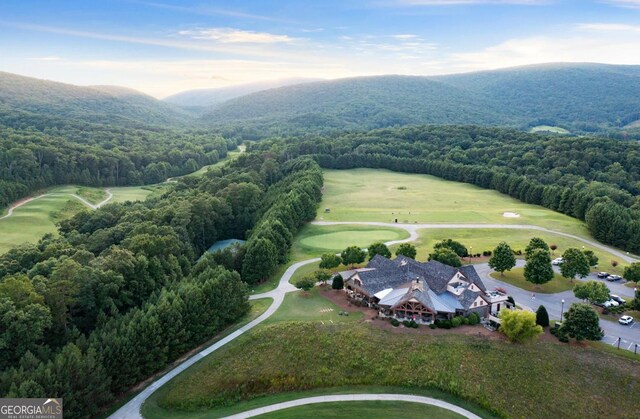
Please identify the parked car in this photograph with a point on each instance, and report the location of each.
(620, 300)
(557, 261)
(626, 320)
(610, 303)
(614, 278)
(603, 274)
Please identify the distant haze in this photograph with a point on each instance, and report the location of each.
(210, 97)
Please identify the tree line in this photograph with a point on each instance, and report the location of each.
(593, 179)
(124, 290)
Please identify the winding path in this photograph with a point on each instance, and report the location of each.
(413, 231)
(132, 408)
(351, 398)
(81, 199)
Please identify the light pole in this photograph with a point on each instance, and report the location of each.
(561, 310)
(470, 253)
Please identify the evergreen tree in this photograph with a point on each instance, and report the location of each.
(502, 259)
(259, 261)
(542, 317)
(538, 269)
(337, 283)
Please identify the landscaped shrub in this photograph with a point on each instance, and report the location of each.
(443, 324)
(413, 324)
(511, 300)
(432, 326)
(406, 323)
(395, 323)
(473, 318)
(487, 253)
(456, 321)
(465, 321)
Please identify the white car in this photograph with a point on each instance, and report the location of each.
(625, 320)
(611, 303)
(557, 261)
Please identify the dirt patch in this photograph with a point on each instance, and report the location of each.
(340, 299)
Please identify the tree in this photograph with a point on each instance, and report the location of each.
(632, 272)
(353, 255)
(538, 269)
(306, 284)
(337, 283)
(407, 249)
(575, 263)
(595, 292)
(503, 258)
(535, 243)
(519, 325)
(459, 248)
(378, 248)
(591, 257)
(553, 248)
(330, 261)
(581, 322)
(542, 317)
(614, 263)
(322, 275)
(259, 261)
(446, 256)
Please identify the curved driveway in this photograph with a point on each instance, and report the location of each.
(132, 408)
(355, 397)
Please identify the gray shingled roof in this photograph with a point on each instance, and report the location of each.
(469, 271)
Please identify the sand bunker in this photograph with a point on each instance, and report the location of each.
(511, 215)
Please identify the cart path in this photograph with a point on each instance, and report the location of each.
(351, 398)
(412, 229)
(81, 199)
(131, 410)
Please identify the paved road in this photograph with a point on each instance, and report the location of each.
(413, 231)
(554, 306)
(351, 398)
(84, 201)
(132, 408)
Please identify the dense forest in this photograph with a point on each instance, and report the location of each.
(590, 178)
(583, 98)
(123, 291)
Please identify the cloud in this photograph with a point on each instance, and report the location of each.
(404, 36)
(209, 11)
(236, 36)
(632, 4)
(47, 58)
(609, 27)
(469, 2)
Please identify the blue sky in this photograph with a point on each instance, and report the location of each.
(165, 46)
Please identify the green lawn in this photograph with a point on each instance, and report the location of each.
(313, 241)
(549, 128)
(376, 195)
(39, 217)
(538, 380)
(298, 306)
(516, 277)
(368, 409)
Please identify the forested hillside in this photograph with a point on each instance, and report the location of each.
(122, 291)
(579, 97)
(590, 178)
(29, 101)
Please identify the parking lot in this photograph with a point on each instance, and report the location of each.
(624, 343)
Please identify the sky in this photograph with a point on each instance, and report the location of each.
(162, 47)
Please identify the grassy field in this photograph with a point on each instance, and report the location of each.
(487, 239)
(36, 218)
(368, 409)
(549, 128)
(516, 277)
(313, 240)
(311, 307)
(382, 195)
(539, 380)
